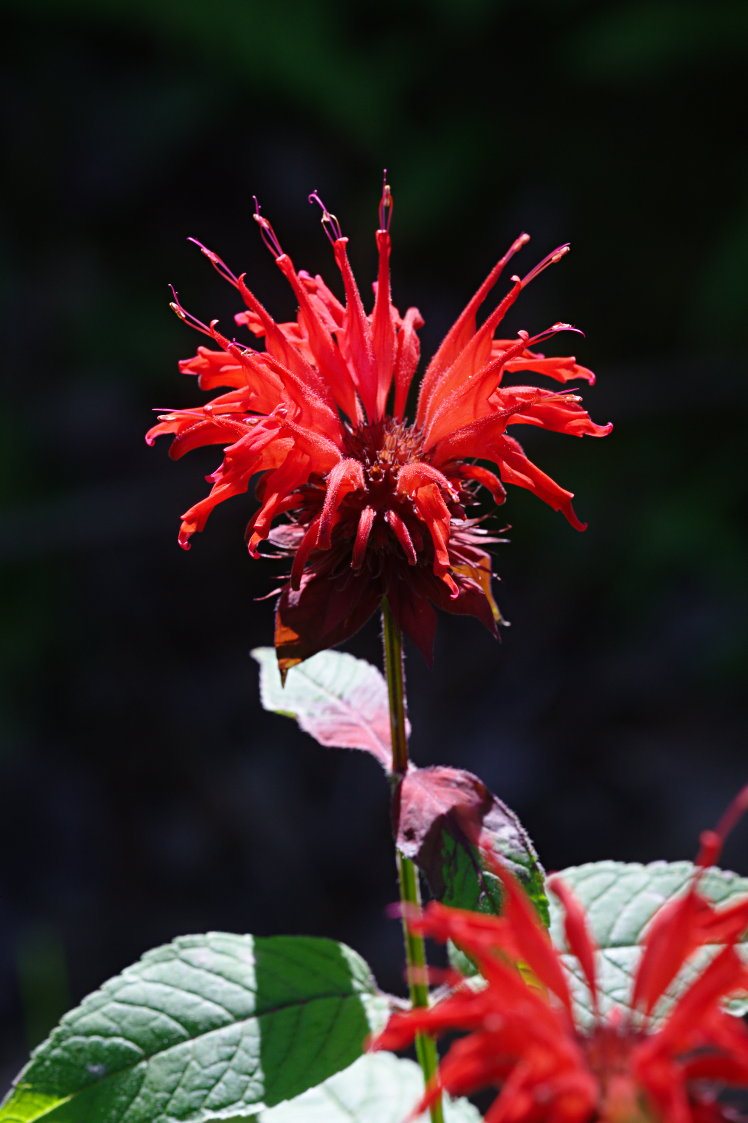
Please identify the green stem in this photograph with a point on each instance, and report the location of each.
(410, 894)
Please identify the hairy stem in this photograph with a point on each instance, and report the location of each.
(410, 894)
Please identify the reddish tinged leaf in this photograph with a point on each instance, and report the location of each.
(339, 700)
(443, 817)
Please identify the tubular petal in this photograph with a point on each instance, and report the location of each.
(358, 335)
(578, 936)
(401, 533)
(464, 326)
(365, 523)
(345, 477)
(382, 325)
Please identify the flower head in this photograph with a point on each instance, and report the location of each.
(371, 505)
(521, 1036)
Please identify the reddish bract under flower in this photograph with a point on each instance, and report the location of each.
(374, 506)
(522, 1037)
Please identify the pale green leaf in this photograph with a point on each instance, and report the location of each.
(620, 900)
(377, 1088)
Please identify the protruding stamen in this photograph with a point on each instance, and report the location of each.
(188, 318)
(551, 259)
(386, 204)
(218, 264)
(330, 224)
(269, 236)
(541, 337)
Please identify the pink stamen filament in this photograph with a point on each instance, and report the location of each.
(386, 205)
(330, 224)
(267, 233)
(550, 259)
(218, 264)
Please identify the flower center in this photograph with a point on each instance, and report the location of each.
(609, 1056)
(383, 448)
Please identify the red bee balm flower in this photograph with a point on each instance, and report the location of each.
(374, 506)
(522, 1038)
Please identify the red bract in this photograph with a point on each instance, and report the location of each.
(371, 506)
(522, 1037)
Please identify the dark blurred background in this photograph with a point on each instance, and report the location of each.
(145, 793)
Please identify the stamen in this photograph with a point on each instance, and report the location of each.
(330, 224)
(517, 245)
(554, 329)
(269, 236)
(386, 204)
(551, 259)
(188, 318)
(220, 266)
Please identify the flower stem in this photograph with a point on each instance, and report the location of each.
(410, 894)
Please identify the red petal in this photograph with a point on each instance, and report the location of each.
(577, 935)
(365, 523)
(345, 477)
(462, 330)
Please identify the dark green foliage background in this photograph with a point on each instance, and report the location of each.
(144, 792)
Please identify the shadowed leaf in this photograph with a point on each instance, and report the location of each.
(205, 1026)
(443, 816)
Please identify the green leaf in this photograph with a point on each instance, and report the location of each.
(620, 900)
(205, 1026)
(377, 1088)
(444, 817)
(339, 700)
